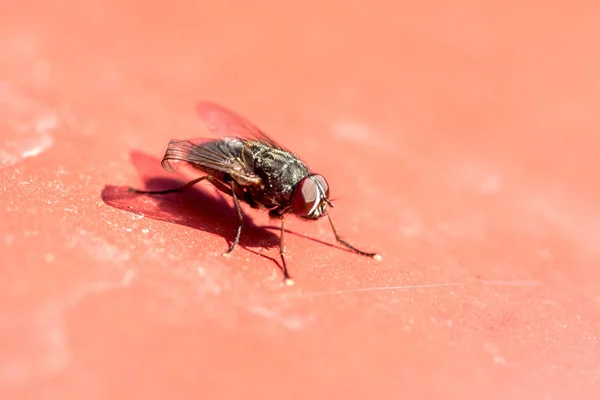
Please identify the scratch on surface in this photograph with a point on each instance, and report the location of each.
(422, 286)
(291, 322)
(511, 283)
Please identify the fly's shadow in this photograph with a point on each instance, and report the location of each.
(196, 207)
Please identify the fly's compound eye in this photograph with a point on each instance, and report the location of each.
(307, 195)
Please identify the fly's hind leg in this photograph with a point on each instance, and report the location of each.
(183, 188)
(176, 190)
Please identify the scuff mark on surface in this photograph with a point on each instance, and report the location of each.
(43, 350)
(29, 132)
(101, 287)
(26, 146)
(97, 247)
(577, 218)
(493, 351)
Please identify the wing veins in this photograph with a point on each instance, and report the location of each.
(188, 152)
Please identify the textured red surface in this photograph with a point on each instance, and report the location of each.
(462, 142)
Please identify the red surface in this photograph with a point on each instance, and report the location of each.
(462, 142)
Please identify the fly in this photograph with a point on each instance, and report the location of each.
(254, 169)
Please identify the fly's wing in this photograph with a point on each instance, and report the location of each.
(225, 122)
(226, 156)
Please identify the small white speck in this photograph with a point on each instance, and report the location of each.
(128, 277)
(490, 185)
(45, 124)
(128, 229)
(545, 254)
(493, 350)
(410, 231)
(352, 130)
(4, 91)
(145, 231)
(499, 360)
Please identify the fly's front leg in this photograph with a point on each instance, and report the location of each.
(348, 245)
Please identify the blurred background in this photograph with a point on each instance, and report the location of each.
(459, 139)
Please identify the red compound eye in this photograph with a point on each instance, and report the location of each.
(323, 183)
(307, 195)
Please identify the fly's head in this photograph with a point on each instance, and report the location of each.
(310, 197)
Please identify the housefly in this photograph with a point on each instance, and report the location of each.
(250, 166)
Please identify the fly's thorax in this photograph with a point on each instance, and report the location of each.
(279, 170)
(232, 147)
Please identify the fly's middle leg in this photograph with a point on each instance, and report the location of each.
(240, 217)
(288, 280)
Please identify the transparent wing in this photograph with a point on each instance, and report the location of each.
(223, 121)
(226, 156)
